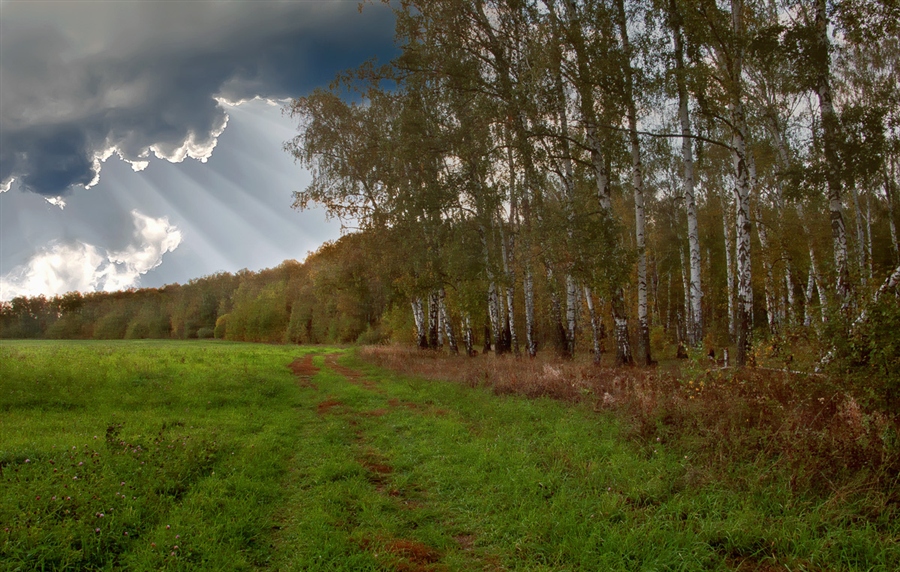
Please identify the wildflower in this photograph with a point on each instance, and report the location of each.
(75, 478)
(125, 533)
(27, 460)
(52, 498)
(97, 530)
(175, 547)
(177, 536)
(37, 497)
(123, 484)
(80, 463)
(153, 545)
(168, 527)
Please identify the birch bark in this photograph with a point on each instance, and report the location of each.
(595, 323)
(830, 129)
(695, 331)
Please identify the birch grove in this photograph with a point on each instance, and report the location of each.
(523, 154)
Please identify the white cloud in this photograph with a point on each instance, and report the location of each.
(56, 201)
(61, 268)
(6, 185)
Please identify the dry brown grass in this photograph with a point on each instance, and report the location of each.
(812, 428)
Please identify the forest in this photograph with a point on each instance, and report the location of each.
(627, 178)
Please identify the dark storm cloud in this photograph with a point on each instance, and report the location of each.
(79, 81)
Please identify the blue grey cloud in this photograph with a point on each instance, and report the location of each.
(80, 81)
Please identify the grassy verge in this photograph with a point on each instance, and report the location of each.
(242, 464)
(399, 473)
(142, 455)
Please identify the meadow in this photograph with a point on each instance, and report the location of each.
(225, 456)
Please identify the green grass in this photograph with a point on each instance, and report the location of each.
(221, 445)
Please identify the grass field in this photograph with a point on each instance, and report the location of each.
(217, 456)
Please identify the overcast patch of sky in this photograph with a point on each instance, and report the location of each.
(87, 78)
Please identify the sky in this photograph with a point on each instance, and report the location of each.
(141, 142)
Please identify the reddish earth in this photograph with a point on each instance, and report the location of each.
(304, 369)
(405, 555)
(352, 375)
(327, 405)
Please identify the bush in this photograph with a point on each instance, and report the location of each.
(221, 327)
(206, 333)
(372, 336)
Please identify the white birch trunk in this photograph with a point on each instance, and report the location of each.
(510, 291)
(434, 329)
(419, 318)
(695, 330)
(769, 279)
(448, 324)
(831, 128)
(571, 312)
(807, 309)
(637, 182)
(528, 287)
(869, 268)
(741, 162)
(595, 323)
(729, 267)
(860, 235)
(686, 287)
(889, 195)
(791, 311)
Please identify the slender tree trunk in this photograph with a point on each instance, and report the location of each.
(469, 336)
(571, 312)
(695, 330)
(791, 311)
(528, 287)
(510, 291)
(637, 182)
(820, 285)
(560, 338)
(807, 310)
(869, 268)
(686, 286)
(860, 235)
(729, 268)
(740, 159)
(433, 318)
(595, 324)
(889, 196)
(448, 324)
(814, 267)
(769, 280)
(419, 318)
(831, 135)
(495, 316)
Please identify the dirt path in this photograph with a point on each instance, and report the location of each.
(393, 552)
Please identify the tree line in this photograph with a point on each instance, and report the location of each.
(722, 171)
(332, 297)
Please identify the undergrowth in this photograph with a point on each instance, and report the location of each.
(811, 430)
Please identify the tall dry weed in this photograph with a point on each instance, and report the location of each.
(812, 427)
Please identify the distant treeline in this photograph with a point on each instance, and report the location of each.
(332, 297)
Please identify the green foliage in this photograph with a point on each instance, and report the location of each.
(871, 354)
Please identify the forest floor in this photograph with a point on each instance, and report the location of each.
(192, 456)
